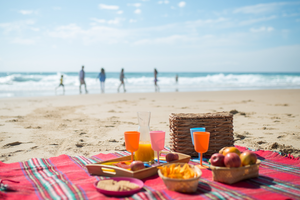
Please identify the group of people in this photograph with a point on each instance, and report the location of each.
(101, 76)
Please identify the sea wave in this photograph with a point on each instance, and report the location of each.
(28, 84)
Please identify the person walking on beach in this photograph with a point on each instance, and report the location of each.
(61, 84)
(176, 81)
(155, 80)
(102, 78)
(81, 80)
(122, 76)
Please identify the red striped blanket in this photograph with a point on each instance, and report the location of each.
(65, 177)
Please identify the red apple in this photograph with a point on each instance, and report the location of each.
(217, 159)
(171, 157)
(137, 165)
(248, 158)
(232, 160)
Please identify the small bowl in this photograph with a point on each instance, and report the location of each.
(182, 185)
(121, 193)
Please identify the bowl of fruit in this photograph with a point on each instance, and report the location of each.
(180, 177)
(230, 165)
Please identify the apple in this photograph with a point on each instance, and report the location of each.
(171, 157)
(248, 158)
(217, 159)
(137, 165)
(231, 150)
(232, 160)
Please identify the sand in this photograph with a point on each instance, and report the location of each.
(90, 124)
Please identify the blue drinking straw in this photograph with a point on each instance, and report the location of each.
(192, 130)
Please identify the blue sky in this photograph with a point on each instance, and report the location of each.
(170, 35)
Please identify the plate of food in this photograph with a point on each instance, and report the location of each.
(119, 186)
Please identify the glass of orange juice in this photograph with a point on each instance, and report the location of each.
(145, 152)
(132, 141)
(201, 143)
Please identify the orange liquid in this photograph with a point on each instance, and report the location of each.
(145, 152)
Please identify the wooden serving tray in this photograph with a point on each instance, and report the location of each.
(111, 171)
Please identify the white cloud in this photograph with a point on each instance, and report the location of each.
(98, 20)
(114, 21)
(262, 8)
(262, 29)
(108, 7)
(201, 22)
(135, 4)
(103, 21)
(23, 41)
(138, 11)
(120, 12)
(94, 34)
(26, 12)
(253, 21)
(17, 26)
(166, 40)
(132, 21)
(181, 4)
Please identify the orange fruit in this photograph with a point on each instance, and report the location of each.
(231, 150)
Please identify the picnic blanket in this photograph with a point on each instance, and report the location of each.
(66, 177)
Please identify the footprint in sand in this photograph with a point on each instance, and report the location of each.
(261, 142)
(265, 128)
(12, 144)
(12, 120)
(285, 104)
(33, 127)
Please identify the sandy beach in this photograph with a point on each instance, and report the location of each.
(44, 127)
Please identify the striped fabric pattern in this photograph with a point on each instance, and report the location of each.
(66, 177)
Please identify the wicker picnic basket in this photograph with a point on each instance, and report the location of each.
(218, 124)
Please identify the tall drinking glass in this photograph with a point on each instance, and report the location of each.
(132, 141)
(145, 153)
(201, 143)
(157, 141)
(198, 129)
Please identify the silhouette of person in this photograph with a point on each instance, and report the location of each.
(61, 84)
(176, 80)
(81, 79)
(155, 80)
(102, 78)
(122, 76)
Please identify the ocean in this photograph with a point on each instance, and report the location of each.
(16, 84)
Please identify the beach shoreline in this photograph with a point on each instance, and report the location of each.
(89, 124)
